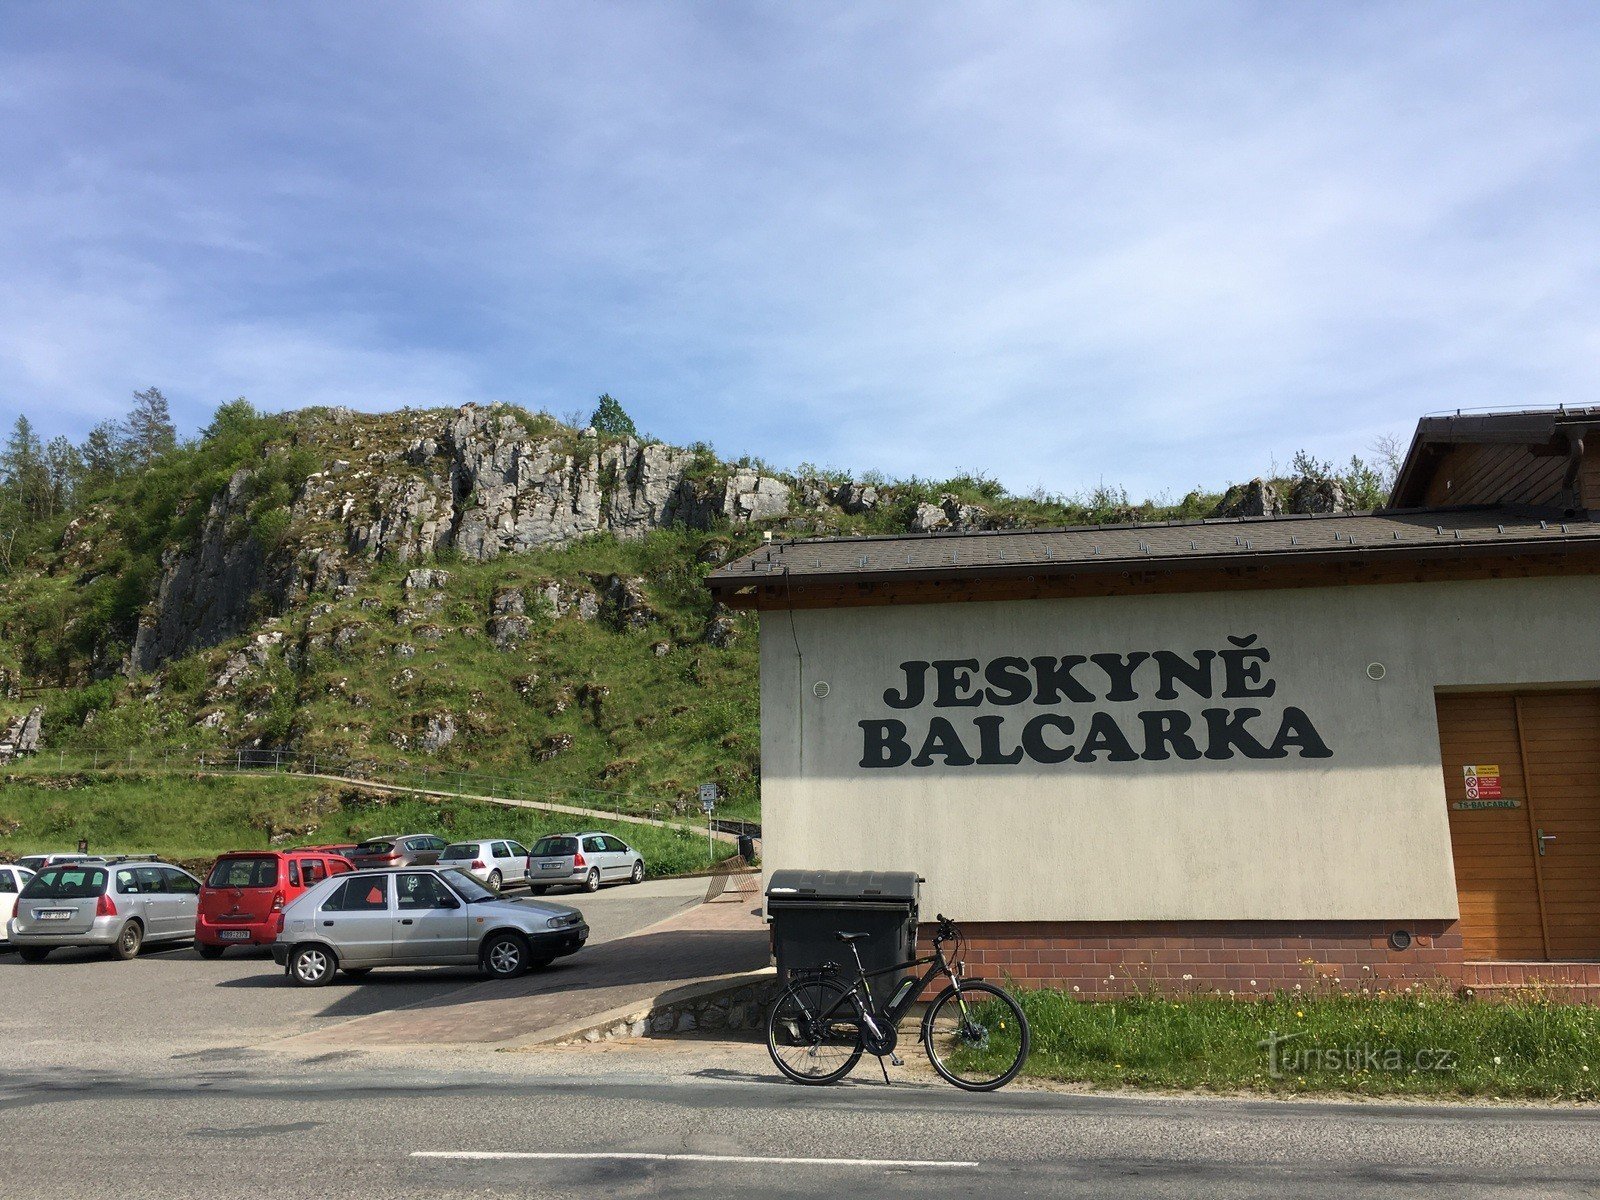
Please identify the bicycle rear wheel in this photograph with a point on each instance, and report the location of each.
(812, 1032)
(976, 1036)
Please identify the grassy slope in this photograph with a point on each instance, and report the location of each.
(191, 818)
(1423, 1043)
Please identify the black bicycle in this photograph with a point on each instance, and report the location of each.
(975, 1035)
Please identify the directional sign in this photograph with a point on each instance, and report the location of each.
(708, 797)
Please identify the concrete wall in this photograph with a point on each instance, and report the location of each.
(1359, 834)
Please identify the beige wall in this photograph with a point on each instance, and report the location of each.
(1361, 834)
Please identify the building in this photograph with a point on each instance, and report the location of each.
(1237, 753)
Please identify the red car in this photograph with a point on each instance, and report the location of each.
(242, 901)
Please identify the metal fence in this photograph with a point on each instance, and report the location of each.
(443, 781)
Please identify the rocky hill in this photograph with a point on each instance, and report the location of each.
(484, 588)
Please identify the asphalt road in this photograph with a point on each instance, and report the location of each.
(713, 1121)
(177, 1002)
(169, 1077)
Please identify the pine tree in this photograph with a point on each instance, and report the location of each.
(22, 472)
(148, 429)
(104, 454)
(64, 467)
(610, 419)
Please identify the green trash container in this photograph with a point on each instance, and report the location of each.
(807, 909)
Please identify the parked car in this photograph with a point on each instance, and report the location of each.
(247, 890)
(35, 862)
(12, 880)
(492, 862)
(584, 859)
(397, 850)
(121, 906)
(417, 917)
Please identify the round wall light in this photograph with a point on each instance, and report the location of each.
(1376, 671)
(820, 689)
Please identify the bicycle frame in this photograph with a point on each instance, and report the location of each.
(868, 1012)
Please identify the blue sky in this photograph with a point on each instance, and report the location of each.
(1158, 245)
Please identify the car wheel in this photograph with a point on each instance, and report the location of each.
(34, 953)
(312, 966)
(495, 880)
(638, 872)
(209, 951)
(592, 883)
(505, 956)
(358, 972)
(537, 889)
(128, 941)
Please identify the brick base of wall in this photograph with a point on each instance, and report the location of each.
(1103, 959)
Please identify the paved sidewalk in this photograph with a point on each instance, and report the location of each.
(725, 937)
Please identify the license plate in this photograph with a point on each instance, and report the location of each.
(53, 914)
(234, 935)
(553, 866)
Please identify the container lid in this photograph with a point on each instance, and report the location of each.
(872, 887)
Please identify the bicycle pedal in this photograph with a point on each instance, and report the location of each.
(897, 1060)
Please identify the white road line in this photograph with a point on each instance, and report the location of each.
(493, 1155)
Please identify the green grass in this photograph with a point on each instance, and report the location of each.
(192, 818)
(1423, 1043)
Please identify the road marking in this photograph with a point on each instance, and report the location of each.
(492, 1155)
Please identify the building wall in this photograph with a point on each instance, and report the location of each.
(1359, 835)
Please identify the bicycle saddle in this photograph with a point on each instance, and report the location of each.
(847, 938)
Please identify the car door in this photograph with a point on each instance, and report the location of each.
(357, 920)
(183, 897)
(159, 919)
(623, 856)
(594, 849)
(9, 887)
(500, 854)
(515, 861)
(431, 922)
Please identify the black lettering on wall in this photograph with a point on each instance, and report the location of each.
(1105, 736)
(1167, 727)
(1008, 681)
(954, 683)
(1119, 670)
(1226, 729)
(883, 744)
(1040, 750)
(1174, 668)
(1053, 681)
(943, 742)
(916, 687)
(989, 752)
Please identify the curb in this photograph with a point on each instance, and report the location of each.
(603, 1024)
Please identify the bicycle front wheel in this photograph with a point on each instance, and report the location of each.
(812, 1033)
(976, 1036)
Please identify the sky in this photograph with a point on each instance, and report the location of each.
(1156, 246)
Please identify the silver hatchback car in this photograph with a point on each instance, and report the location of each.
(584, 859)
(419, 917)
(119, 905)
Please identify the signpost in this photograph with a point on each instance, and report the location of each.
(708, 805)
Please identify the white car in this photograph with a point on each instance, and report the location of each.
(12, 881)
(494, 862)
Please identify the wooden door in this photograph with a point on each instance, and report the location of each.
(1561, 737)
(1516, 902)
(1496, 875)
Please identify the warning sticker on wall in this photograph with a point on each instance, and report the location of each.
(1483, 781)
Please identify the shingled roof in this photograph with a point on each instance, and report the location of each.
(1162, 546)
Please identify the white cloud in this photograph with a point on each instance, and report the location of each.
(1159, 246)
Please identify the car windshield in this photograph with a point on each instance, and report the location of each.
(257, 871)
(376, 847)
(468, 888)
(33, 862)
(65, 883)
(461, 850)
(555, 845)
